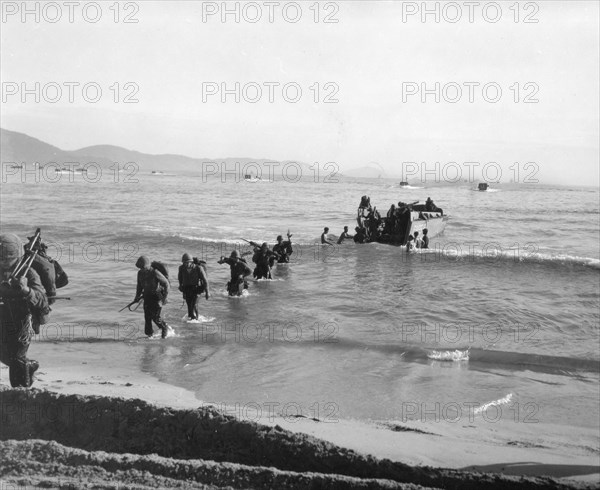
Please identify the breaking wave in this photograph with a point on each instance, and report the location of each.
(449, 355)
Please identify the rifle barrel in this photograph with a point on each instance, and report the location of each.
(26, 257)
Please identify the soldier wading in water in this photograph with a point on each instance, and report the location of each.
(239, 272)
(192, 283)
(153, 286)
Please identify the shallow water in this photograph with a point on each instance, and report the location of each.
(501, 313)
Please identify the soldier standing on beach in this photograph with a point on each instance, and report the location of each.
(23, 302)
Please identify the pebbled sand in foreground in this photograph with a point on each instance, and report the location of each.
(98, 423)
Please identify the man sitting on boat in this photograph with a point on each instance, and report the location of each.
(431, 207)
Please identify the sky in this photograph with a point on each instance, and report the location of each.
(361, 80)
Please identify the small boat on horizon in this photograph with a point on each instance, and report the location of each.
(67, 170)
(483, 186)
(251, 179)
(403, 184)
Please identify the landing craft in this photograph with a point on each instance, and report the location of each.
(400, 222)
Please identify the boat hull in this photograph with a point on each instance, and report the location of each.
(400, 223)
(435, 226)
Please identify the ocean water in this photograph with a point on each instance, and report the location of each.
(499, 319)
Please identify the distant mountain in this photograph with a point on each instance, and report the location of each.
(20, 148)
(144, 160)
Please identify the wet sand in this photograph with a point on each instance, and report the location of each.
(94, 419)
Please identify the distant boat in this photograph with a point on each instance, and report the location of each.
(250, 178)
(483, 186)
(403, 184)
(157, 172)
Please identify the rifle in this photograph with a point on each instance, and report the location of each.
(254, 244)
(130, 305)
(24, 264)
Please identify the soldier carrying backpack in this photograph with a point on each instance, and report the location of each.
(152, 285)
(193, 281)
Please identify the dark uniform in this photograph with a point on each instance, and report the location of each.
(264, 260)
(153, 286)
(239, 271)
(283, 249)
(22, 304)
(192, 282)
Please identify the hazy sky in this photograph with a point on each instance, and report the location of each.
(362, 63)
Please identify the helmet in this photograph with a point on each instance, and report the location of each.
(143, 262)
(279, 237)
(186, 258)
(235, 254)
(264, 246)
(10, 248)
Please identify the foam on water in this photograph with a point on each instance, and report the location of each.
(496, 403)
(158, 335)
(449, 355)
(200, 319)
(245, 294)
(494, 254)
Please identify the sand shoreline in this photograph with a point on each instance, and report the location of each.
(86, 369)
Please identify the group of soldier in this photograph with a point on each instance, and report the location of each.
(153, 282)
(264, 259)
(29, 280)
(25, 296)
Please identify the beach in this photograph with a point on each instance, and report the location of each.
(78, 388)
(139, 138)
(479, 354)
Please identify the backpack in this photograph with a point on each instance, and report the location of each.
(202, 265)
(164, 270)
(51, 274)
